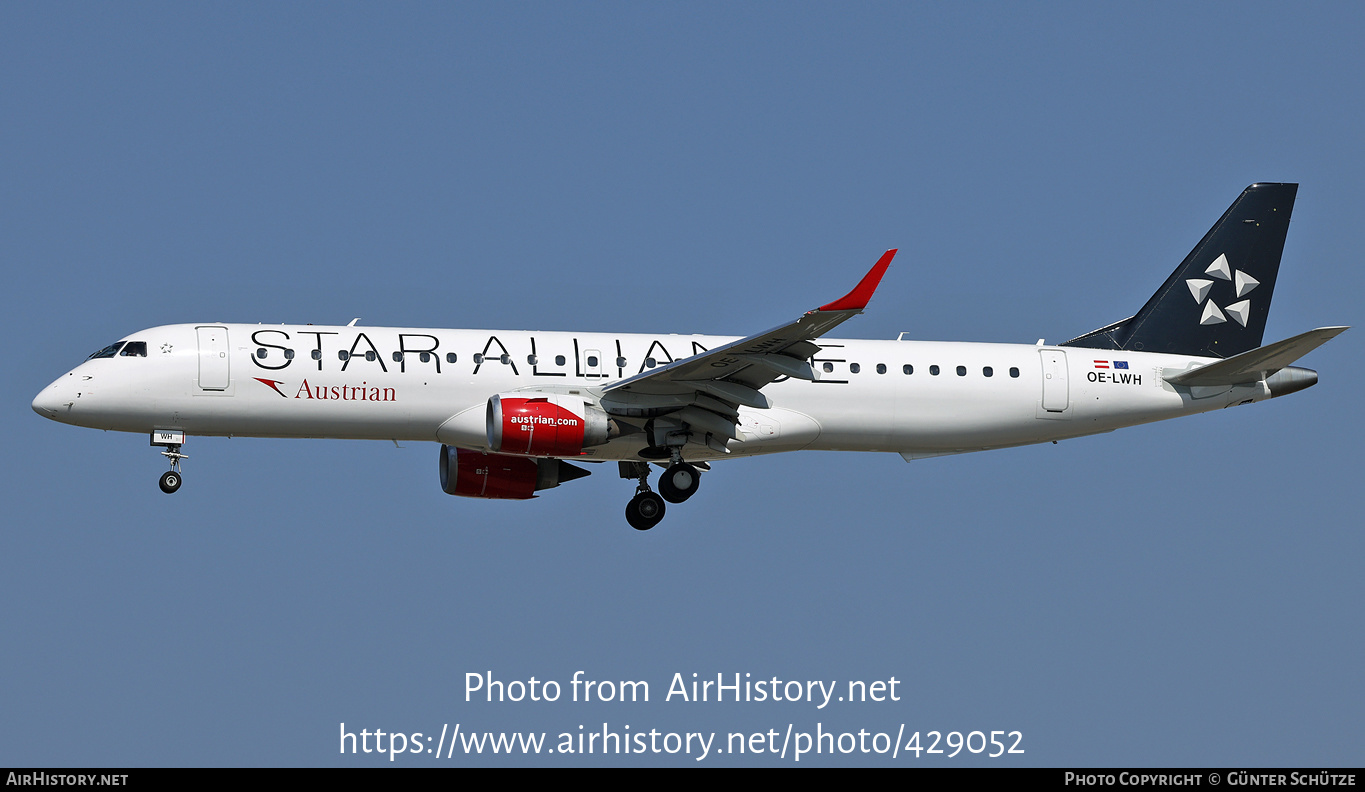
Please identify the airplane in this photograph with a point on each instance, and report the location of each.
(512, 408)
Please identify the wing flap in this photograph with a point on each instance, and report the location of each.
(784, 366)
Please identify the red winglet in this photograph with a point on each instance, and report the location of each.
(856, 300)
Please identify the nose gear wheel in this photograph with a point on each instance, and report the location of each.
(172, 479)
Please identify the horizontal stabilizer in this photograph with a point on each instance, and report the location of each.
(1257, 364)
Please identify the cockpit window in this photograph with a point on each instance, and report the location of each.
(107, 352)
(134, 349)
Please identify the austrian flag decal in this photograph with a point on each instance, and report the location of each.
(1114, 372)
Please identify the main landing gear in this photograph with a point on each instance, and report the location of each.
(646, 509)
(171, 479)
(678, 483)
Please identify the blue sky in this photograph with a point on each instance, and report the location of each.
(1181, 593)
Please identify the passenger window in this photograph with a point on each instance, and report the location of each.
(450, 357)
(933, 370)
(1014, 372)
(559, 360)
(260, 353)
(288, 354)
(134, 349)
(907, 369)
(962, 371)
(530, 360)
(425, 357)
(620, 362)
(343, 354)
(504, 359)
(317, 354)
(371, 356)
(854, 367)
(592, 361)
(478, 358)
(397, 357)
(988, 372)
(828, 367)
(881, 368)
(650, 362)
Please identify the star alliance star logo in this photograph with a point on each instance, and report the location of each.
(1244, 283)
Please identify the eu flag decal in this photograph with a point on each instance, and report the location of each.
(1120, 364)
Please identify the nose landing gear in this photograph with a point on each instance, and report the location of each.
(171, 479)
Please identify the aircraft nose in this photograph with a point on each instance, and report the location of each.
(47, 402)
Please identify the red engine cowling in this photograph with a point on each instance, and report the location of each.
(475, 474)
(544, 425)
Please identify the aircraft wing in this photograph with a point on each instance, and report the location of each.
(706, 389)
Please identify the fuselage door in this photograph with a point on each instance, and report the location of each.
(1055, 395)
(214, 373)
(592, 360)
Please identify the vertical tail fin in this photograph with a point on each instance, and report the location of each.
(1216, 302)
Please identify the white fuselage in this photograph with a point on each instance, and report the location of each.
(412, 384)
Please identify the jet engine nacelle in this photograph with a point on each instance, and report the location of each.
(544, 424)
(476, 474)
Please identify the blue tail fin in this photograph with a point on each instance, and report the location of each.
(1216, 302)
